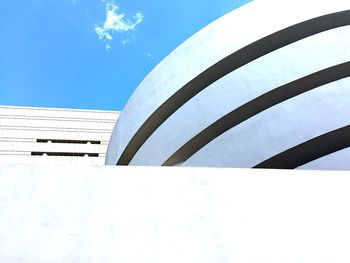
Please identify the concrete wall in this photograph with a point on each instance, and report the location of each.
(176, 103)
(280, 128)
(73, 214)
(269, 129)
(25, 131)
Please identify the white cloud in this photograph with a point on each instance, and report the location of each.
(126, 41)
(116, 23)
(149, 55)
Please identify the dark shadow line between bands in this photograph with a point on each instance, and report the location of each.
(228, 64)
(257, 105)
(311, 150)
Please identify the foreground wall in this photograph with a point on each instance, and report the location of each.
(137, 214)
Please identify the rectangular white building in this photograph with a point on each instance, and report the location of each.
(54, 136)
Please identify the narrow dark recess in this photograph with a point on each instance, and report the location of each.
(311, 150)
(68, 141)
(64, 154)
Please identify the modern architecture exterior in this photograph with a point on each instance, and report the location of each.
(54, 136)
(266, 85)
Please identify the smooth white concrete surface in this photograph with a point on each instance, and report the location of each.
(339, 160)
(279, 128)
(143, 214)
(21, 127)
(242, 85)
(224, 36)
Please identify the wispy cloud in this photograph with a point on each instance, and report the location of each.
(116, 22)
(149, 55)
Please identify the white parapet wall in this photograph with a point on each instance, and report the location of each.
(160, 214)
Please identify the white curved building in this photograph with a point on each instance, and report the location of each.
(255, 88)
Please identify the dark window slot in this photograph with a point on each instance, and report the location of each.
(67, 141)
(64, 154)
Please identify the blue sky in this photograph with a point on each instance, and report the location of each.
(91, 54)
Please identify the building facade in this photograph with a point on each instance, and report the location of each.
(231, 95)
(54, 136)
(266, 85)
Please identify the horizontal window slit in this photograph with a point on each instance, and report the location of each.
(64, 154)
(68, 141)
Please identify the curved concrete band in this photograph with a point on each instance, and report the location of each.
(257, 105)
(279, 128)
(336, 161)
(310, 150)
(270, 71)
(216, 44)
